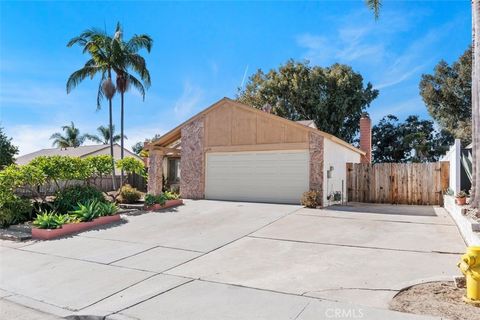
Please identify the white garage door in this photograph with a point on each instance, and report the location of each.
(278, 177)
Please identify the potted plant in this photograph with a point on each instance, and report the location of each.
(461, 198)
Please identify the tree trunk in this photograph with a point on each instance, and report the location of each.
(475, 201)
(122, 93)
(114, 185)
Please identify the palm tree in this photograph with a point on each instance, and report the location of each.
(103, 51)
(475, 192)
(130, 59)
(103, 136)
(72, 137)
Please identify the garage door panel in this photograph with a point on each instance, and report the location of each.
(257, 176)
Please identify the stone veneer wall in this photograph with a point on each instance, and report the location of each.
(316, 163)
(192, 174)
(155, 171)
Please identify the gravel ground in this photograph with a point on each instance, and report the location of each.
(442, 299)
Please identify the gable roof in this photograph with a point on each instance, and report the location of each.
(174, 134)
(81, 152)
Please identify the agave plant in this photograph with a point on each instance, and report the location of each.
(107, 208)
(87, 211)
(50, 220)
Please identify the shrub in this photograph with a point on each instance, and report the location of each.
(131, 165)
(311, 199)
(67, 199)
(15, 210)
(151, 199)
(129, 194)
(169, 195)
(50, 220)
(107, 208)
(87, 211)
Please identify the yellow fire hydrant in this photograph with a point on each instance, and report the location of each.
(470, 266)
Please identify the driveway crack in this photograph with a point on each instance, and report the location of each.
(301, 311)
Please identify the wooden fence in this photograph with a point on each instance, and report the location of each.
(398, 183)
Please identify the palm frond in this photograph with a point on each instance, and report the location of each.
(375, 6)
(78, 76)
(138, 42)
(137, 63)
(137, 84)
(94, 138)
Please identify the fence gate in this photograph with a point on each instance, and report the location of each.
(398, 183)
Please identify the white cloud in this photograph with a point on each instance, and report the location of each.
(376, 47)
(139, 134)
(189, 99)
(30, 138)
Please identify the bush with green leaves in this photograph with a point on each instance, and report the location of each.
(67, 199)
(87, 211)
(107, 208)
(132, 165)
(50, 220)
(170, 195)
(129, 194)
(15, 210)
(151, 199)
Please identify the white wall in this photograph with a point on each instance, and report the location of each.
(336, 156)
(454, 156)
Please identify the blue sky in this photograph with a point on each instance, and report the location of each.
(202, 51)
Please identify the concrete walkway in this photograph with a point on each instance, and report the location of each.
(227, 260)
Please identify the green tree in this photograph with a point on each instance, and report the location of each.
(129, 59)
(414, 140)
(334, 97)
(72, 137)
(7, 150)
(448, 96)
(103, 136)
(104, 54)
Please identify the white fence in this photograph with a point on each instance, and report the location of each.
(454, 156)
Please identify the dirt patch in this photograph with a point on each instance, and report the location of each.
(441, 299)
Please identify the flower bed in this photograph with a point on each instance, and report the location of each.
(167, 204)
(69, 228)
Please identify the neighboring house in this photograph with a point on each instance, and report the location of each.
(231, 151)
(82, 151)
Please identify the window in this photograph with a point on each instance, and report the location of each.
(173, 169)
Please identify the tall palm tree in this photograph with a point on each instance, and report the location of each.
(72, 137)
(475, 192)
(103, 136)
(103, 51)
(129, 59)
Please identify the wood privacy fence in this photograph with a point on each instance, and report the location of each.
(398, 183)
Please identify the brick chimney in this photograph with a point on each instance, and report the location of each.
(366, 138)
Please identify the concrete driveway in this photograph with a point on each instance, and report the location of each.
(227, 260)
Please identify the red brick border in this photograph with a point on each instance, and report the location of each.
(69, 228)
(168, 204)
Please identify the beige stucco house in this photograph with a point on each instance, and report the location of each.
(231, 151)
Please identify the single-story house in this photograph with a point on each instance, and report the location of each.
(231, 151)
(82, 151)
